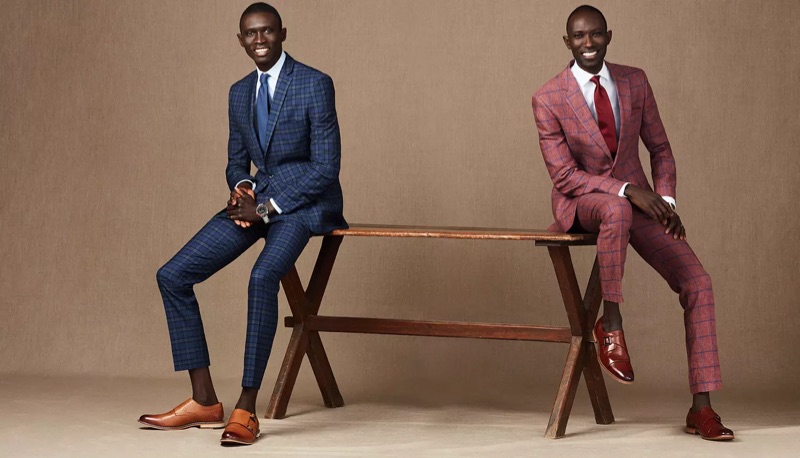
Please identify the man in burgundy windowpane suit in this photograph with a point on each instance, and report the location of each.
(590, 118)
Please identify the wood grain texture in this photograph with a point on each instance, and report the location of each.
(570, 292)
(562, 406)
(303, 341)
(496, 331)
(287, 376)
(472, 233)
(592, 373)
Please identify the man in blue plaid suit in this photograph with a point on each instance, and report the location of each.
(282, 119)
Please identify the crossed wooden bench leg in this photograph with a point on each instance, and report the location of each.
(304, 303)
(582, 356)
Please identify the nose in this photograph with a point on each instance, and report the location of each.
(260, 37)
(587, 42)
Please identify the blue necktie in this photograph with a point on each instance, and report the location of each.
(262, 112)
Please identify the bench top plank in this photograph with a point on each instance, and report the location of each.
(541, 236)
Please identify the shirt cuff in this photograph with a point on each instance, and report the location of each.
(252, 183)
(275, 206)
(670, 201)
(622, 190)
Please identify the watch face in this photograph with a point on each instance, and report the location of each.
(261, 210)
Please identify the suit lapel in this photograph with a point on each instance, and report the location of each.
(250, 120)
(575, 98)
(284, 80)
(624, 95)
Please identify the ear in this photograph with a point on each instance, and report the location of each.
(566, 41)
(241, 40)
(283, 34)
(608, 37)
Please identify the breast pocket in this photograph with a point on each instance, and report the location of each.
(292, 122)
(580, 142)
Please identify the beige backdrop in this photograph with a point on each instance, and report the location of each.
(113, 139)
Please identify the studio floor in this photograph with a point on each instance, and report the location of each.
(87, 417)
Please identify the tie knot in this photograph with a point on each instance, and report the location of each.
(264, 77)
(596, 79)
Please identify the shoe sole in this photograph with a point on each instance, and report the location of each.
(689, 430)
(600, 362)
(201, 425)
(238, 442)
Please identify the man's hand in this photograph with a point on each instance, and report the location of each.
(242, 206)
(650, 203)
(675, 226)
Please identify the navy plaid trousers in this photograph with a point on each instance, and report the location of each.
(218, 243)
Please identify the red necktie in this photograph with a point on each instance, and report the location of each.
(605, 115)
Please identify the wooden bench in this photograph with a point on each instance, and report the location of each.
(582, 311)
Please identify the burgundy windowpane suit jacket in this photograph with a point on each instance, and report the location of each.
(576, 155)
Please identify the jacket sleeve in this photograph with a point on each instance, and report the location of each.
(325, 150)
(654, 137)
(567, 176)
(238, 168)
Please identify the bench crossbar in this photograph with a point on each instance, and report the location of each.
(497, 331)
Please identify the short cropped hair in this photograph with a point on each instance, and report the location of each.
(586, 8)
(260, 7)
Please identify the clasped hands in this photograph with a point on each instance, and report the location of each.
(657, 208)
(242, 207)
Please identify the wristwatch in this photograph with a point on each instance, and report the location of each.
(263, 211)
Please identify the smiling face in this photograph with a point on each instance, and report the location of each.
(588, 39)
(262, 37)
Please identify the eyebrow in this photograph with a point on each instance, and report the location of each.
(254, 29)
(598, 29)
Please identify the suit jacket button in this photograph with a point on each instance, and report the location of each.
(269, 176)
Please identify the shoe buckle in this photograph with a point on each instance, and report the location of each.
(607, 341)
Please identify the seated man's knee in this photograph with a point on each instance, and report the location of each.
(698, 284)
(617, 212)
(695, 290)
(168, 277)
(265, 277)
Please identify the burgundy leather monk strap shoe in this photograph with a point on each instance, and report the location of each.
(707, 424)
(242, 428)
(613, 353)
(187, 414)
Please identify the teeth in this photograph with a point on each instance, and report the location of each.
(589, 54)
(262, 51)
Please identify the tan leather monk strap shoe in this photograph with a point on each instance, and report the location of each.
(187, 414)
(242, 428)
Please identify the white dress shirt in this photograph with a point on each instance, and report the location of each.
(273, 73)
(588, 87)
(584, 79)
(272, 83)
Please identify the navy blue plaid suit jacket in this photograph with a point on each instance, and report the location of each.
(300, 169)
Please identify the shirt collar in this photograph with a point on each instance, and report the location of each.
(275, 70)
(583, 77)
